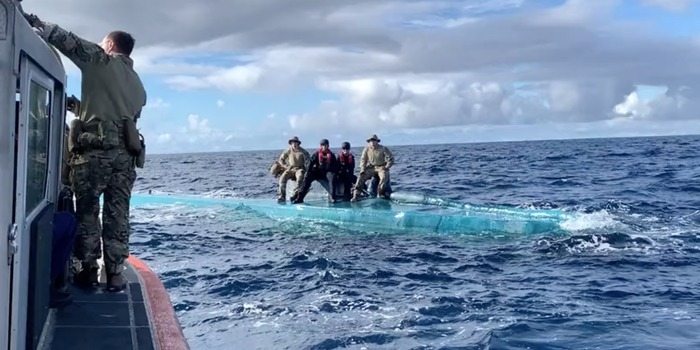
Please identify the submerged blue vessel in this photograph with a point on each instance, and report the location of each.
(405, 212)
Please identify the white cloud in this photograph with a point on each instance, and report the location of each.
(633, 106)
(198, 134)
(220, 103)
(198, 125)
(576, 12)
(230, 79)
(408, 64)
(239, 77)
(432, 101)
(164, 138)
(563, 96)
(679, 103)
(157, 103)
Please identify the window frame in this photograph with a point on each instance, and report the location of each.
(35, 75)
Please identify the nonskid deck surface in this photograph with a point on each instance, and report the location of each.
(101, 320)
(404, 212)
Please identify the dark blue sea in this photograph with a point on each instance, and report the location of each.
(624, 275)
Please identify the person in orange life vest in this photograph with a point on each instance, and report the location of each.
(322, 169)
(375, 159)
(345, 176)
(295, 161)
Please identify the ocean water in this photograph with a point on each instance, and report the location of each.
(624, 274)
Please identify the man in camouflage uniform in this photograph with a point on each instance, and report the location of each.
(375, 159)
(296, 162)
(101, 163)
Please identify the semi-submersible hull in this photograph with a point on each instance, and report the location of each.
(404, 213)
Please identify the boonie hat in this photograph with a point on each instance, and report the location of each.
(294, 139)
(374, 137)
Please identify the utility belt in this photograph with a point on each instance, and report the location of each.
(106, 135)
(377, 165)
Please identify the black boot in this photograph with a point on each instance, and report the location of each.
(59, 298)
(86, 278)
(60, 295)
(297, 198)
(116, 282)
(383, 194)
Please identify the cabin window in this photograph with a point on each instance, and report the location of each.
(37, 145)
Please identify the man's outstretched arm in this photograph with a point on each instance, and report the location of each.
(82, 52)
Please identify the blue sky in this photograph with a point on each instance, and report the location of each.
(227, 75)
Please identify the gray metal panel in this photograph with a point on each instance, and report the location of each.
(21, 42)
(7, 126)
(28, 42)
(7, 108)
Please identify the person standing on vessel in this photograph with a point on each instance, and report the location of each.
(103, 161)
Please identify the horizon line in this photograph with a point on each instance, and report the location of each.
(454, 143)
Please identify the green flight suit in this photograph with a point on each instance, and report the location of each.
(101, 165)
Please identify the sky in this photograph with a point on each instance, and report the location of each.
(227, 75)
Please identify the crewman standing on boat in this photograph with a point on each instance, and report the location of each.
(103, 158)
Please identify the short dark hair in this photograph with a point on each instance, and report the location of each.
(123, 41)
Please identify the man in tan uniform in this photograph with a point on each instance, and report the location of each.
(375, 159)
(295, 161)
(112, 94)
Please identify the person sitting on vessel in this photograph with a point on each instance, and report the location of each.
(295, 161)
(345, 176)
(375, 159)
(322, 168)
